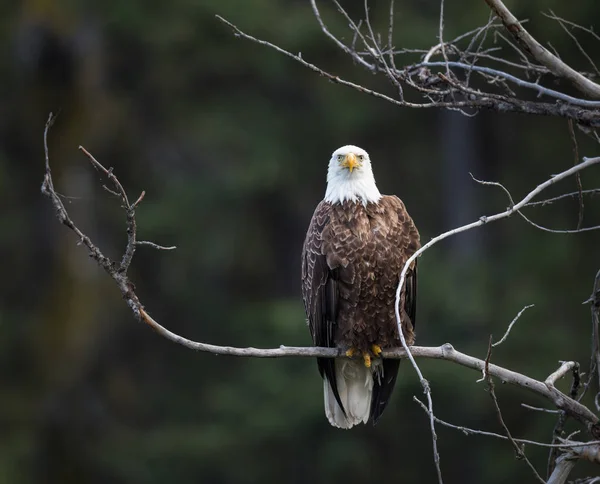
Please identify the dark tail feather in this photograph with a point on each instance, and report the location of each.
(382, 390)
(327, 370)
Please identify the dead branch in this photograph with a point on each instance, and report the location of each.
(578, 176)
(549, 201)
(519, 450)
(564, 466)
(594, 370)
(540, 53)
(469, 431)
(562, 416)
(563, 25)
(514, 208)
(581, 111)
(565, 367)
(538, 409)
(503, 339)
(591, 453)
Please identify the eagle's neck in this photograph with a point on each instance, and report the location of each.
(356, 187)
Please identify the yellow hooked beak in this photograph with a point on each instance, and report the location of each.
(350, 162)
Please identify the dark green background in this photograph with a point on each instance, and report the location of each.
(231, 141)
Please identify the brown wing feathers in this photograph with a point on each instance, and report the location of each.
(352, 259)
(407, 240)
(321, 295)
(382, 388)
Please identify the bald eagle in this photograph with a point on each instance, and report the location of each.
(355, 249)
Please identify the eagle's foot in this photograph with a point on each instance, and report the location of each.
(376, 350)
(366, 355)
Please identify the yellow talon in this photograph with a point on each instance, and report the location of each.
(367, 358)
(350, 352)
(376, 350)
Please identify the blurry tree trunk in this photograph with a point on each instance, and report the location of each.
(457, 134)
(60, 68)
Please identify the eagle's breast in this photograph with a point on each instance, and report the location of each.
(367, 246)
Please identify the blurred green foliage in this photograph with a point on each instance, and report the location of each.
(230, 140)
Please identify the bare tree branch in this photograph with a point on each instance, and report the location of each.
(579, 110)
(594, 370)
(538, 409)
(154, 246)
(519, 82)
(484, 220)
(519, 450)
(563, 23)
(548, 201)
(498, 343)
(484, 433)
(562, 416)
(578, 175)
(564, 466)
(565, 367)
(540, 53)
(326, 31)
(590, 453)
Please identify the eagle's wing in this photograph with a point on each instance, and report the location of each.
(382, 389)
(406, 239)
(320, 293)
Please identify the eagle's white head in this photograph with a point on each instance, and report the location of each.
(350, 177)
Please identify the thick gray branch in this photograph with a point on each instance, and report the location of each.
(540, 53)
(444, 352)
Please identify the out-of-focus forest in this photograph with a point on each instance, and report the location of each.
(230, 141)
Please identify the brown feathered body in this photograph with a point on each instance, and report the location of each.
(353, 255)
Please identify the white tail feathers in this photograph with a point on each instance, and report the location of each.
(355, 387)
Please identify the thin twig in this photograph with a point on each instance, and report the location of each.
(326, 31)
(391, 36)
(129, 209)
(519, 450)
(441, 37)
(519, 82)
(469, 431)
(109, 173)
(482, 221)
(539, 409)
(574, 25)
(528, 68)
(562, 23)
(548, 201)
(477, 100)
(528, 220)
(578, 175)
(498, 343)
(540, 53)
(558, 231)
(379, 55)
(426, 390)
(155, 246)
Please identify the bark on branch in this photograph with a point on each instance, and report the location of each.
(540, 53)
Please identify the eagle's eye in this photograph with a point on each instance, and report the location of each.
(361, 157)
(340, 157)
